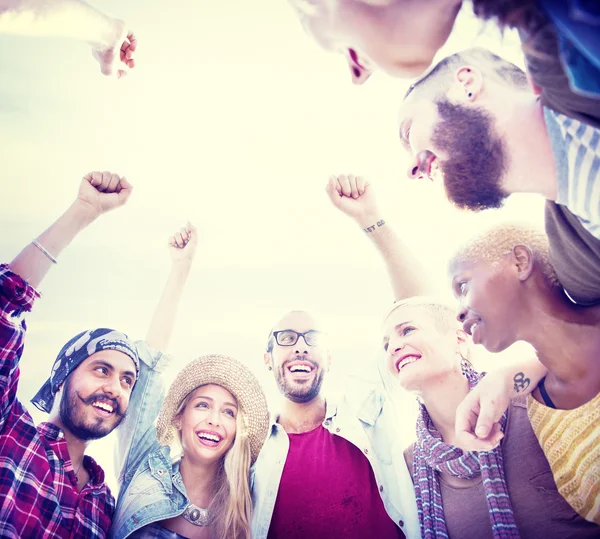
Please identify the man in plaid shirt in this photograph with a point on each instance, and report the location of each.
(48, 486)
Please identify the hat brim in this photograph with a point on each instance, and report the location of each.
(233, 376)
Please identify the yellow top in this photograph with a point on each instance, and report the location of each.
(570, 440)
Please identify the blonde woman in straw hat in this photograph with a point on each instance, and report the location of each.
(215, 415)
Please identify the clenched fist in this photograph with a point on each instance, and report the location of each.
(100, 192)
(352, 195)
(116, 57)
(182, 245)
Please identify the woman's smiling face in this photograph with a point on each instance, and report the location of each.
(418, 353)
(208, 423)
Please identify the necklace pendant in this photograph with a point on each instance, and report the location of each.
(196, 515)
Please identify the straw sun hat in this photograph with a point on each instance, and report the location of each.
(233, 376)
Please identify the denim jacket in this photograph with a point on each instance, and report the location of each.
(364, 421)
(151, 487)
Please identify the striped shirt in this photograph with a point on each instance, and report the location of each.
(570, 440)
(576, 148)
(39, 497)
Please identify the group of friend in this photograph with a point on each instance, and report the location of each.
(514, 453)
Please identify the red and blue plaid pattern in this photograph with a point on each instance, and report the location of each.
(38, 486)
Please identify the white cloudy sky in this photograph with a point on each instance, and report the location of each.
(233, 119)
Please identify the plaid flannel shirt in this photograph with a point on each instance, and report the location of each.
(38, 486)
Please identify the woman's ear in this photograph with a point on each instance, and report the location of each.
(524, 260)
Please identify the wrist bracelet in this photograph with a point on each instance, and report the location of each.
(41, 248)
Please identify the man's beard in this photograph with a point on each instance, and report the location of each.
(303, 393)
(72, 413)
(476, 160)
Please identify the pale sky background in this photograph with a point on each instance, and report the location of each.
(234, 120)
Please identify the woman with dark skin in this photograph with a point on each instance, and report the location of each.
(508, 292)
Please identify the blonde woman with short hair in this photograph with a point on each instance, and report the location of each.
(507, 491)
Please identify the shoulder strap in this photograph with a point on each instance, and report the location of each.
(544, 393)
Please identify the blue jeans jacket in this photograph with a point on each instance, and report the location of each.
(364, 420)
(150, 485)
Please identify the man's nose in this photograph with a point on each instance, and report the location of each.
(462, 314)
(413, 169)
(420, 165)
(301, 345)
(112, 387)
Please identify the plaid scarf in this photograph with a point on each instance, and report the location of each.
(432, 455)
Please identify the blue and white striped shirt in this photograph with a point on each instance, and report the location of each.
(576, 148)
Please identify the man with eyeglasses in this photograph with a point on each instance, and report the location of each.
(328, 469)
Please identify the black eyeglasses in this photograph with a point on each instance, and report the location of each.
(288, 337)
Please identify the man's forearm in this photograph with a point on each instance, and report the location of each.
(62, 18)
(407, 275)
(32, 263)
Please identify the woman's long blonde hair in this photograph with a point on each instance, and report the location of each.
(231, 507)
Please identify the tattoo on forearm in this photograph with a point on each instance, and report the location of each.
(521, 383)
(378, 224)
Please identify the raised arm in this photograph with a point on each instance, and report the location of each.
(182, 249)
(113, 45)
(353, 195)
(477, 427)
(98, 193)
(137, 436)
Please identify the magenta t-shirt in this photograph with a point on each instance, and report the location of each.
(328, 491)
